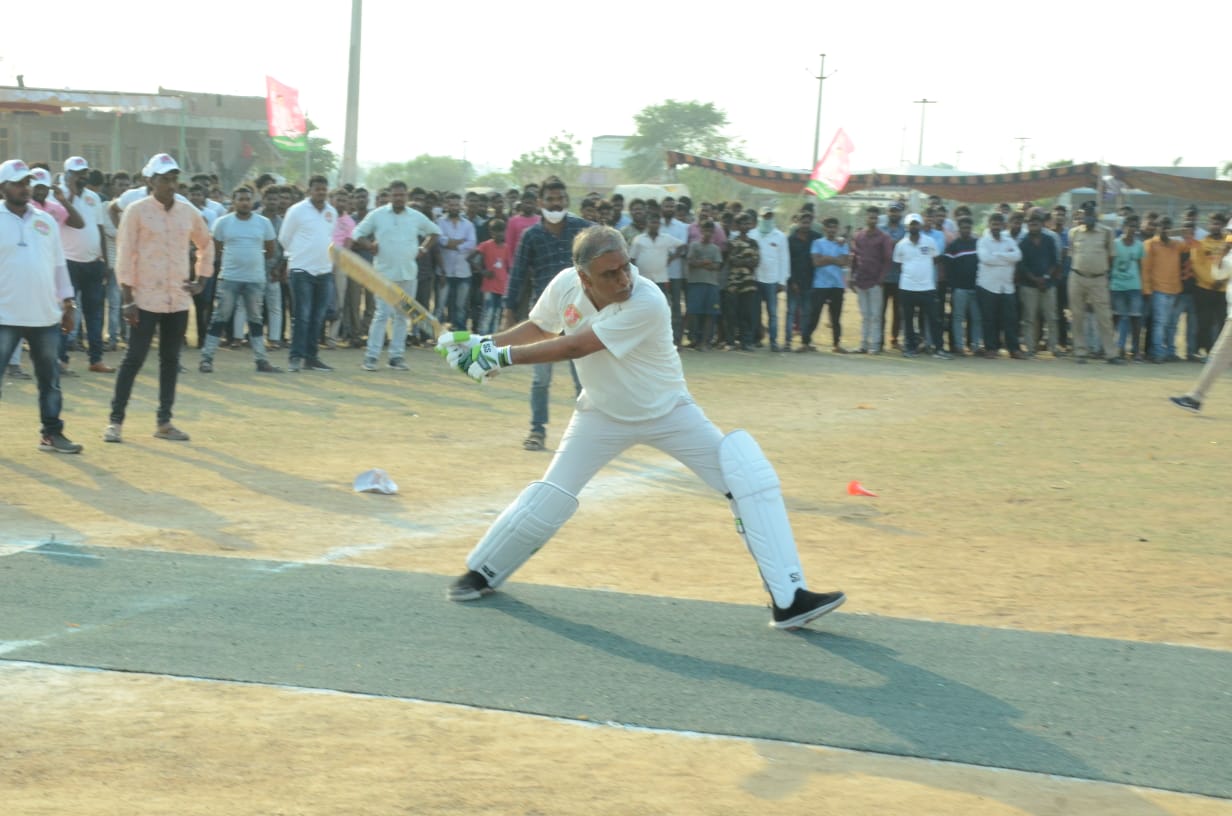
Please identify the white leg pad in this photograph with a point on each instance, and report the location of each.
(525, 526)
(761, 516)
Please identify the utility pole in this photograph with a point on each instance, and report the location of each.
(821, 79)
(1022, 144)
(923, 103)
(350, 147)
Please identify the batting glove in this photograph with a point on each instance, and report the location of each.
(487, 359)
(458, 341)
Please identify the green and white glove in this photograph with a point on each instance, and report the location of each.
(458, 340)
(486, 359)
(455, 348)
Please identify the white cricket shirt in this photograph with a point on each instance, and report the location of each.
(638, 375)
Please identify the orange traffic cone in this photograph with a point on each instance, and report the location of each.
(854, 488)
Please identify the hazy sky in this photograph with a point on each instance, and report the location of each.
(494, 80)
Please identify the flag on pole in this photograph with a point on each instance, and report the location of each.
(831, 173)
(287, 126)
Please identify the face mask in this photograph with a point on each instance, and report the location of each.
(765, 225)
(553, 216)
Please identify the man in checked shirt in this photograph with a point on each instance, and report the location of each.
(152, 269)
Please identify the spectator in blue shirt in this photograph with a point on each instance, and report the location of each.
(831, 260)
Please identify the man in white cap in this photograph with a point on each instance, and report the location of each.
(85, 250)
(36, 295)
(152, 268)
(58, 208)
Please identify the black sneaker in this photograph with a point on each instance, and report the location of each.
(470, 587)
(317, 365)
(1188, 403)
(266, 367)
(807, 606)
(205, 366)
(58, 443)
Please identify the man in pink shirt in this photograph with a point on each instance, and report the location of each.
(527, 216)
(61, 208)
(343, 227)
(152, 268)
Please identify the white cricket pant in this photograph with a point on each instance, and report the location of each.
(593, 439)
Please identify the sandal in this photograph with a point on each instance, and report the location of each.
(534, 442)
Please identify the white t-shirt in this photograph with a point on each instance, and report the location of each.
(638, 375)
(651, 254)
(210, 217)
(919, 274)
(136, 194)
(85, 244)
(306, 235)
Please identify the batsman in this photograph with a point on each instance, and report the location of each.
(617, 326)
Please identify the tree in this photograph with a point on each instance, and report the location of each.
(290, 166)
(497, 181)
(427, 171)
(691, 127)
(557, 158)
(1060, 163)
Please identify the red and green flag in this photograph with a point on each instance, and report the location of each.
(831, 173)
(288, 128)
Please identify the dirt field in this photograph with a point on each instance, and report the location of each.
(1036, 495)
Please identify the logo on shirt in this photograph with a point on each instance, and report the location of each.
(329, 218)
(42, 227)
(572, 316)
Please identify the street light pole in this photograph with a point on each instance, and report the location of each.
(350, 146)
(1022, 144)
(923, 103)
(821, 79)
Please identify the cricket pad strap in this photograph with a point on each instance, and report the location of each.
(761, 516)
(525, 526)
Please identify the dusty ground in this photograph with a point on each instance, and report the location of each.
(1037, 495)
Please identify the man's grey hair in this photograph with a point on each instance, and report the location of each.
(595, 241)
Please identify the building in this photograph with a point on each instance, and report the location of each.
(210, 133)
(608, 152)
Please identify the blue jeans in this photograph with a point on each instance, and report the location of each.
(797, 313)
(117, 329)
(540, 382)
(273, 305)
(89, 279)
(229, 294)
(1164, 317)
(385, 314)
(457, 301)
(44, 350)
(489, 322)
(1187, 305)
(769, 293)
(965, 306)
(170, 327)
(310, 299)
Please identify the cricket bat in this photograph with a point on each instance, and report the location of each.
(365, 274)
